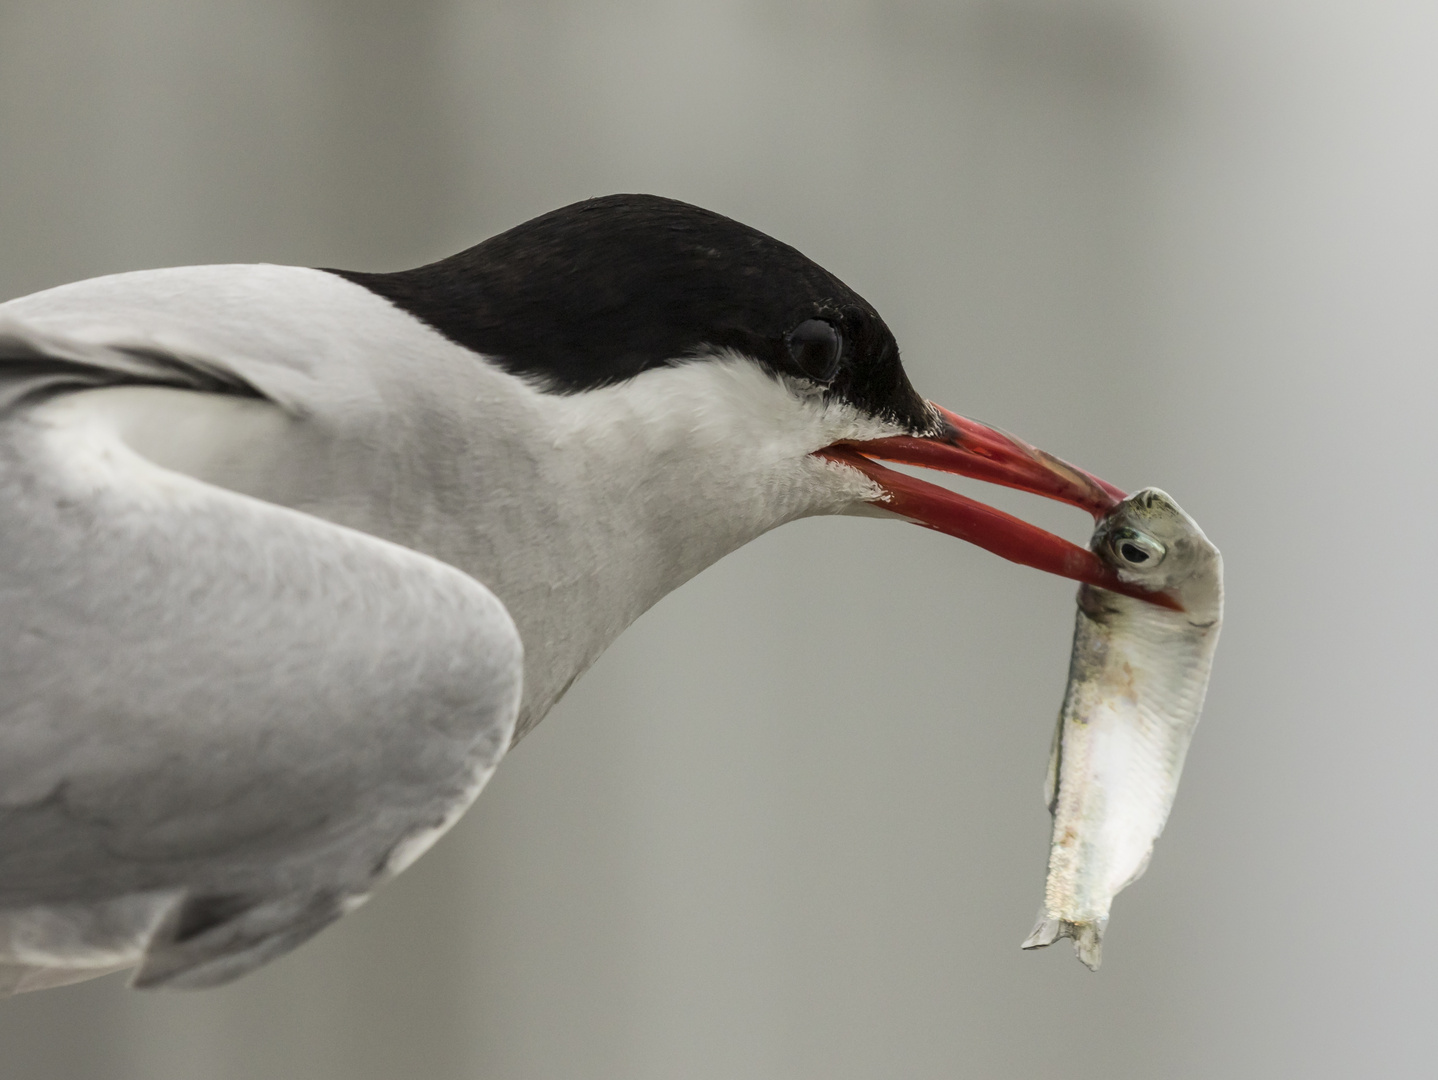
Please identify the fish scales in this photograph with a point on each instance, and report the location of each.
(1137, 680)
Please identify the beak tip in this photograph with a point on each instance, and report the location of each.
(968, 448)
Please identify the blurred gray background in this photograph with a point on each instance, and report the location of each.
(791, 825)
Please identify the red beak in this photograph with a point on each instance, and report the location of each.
(968, 448)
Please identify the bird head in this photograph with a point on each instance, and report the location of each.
(605, 292)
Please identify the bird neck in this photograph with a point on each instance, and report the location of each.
(610, 499)
(579, 511)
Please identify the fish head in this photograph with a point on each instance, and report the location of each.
(1150, 542)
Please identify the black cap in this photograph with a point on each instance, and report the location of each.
(594, 293)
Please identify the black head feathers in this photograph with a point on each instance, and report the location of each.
(594, 293)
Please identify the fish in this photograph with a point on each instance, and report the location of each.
(1137, 679)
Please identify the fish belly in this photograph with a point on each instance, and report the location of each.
(1124, 730)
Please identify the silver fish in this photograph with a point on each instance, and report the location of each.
(1136, 684)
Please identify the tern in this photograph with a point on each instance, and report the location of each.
(292, 556)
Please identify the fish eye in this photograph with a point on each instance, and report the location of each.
(1136, 549)
(816, 348)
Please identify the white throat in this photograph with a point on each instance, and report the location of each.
(647, 483)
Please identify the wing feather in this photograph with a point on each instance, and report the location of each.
(235, 715)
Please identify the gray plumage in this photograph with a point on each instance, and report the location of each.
(257, 526)
(224, 721)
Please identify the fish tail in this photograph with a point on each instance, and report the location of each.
(1087, 937)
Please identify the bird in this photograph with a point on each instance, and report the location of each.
(294, 555)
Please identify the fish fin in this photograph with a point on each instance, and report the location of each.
(1087, 937)
(1088, 943)
(1138, 872)
(1045, 932)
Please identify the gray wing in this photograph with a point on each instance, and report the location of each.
(222, 722)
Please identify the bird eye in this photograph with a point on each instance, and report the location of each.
(1136, 549)
(816, 348)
